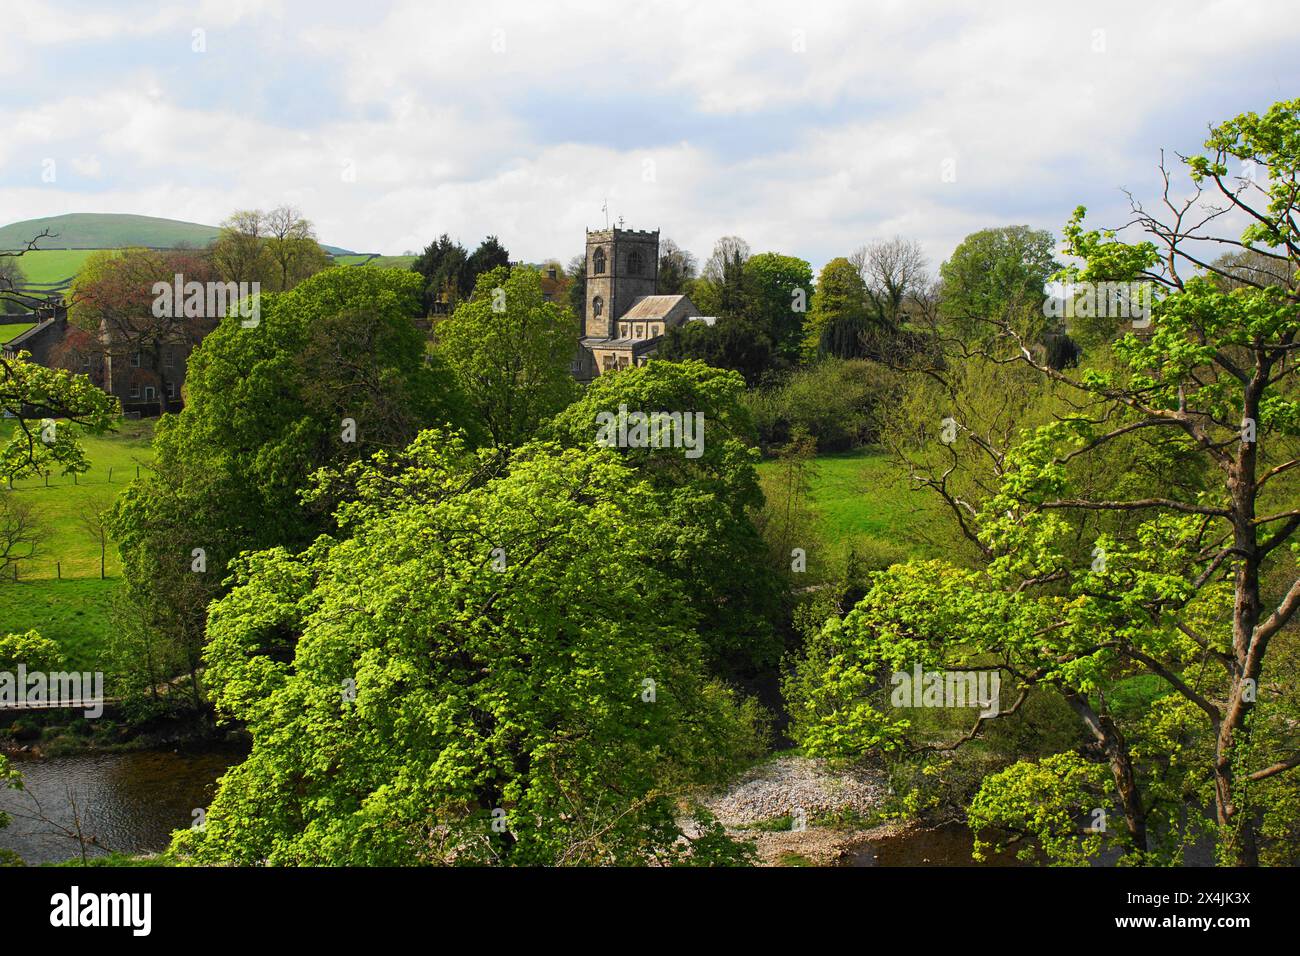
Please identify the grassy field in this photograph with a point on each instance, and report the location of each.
(383, 262)
(67, 548)
(864, 500)
(8, 332)
(392, 262)
(52, 266)
(75, 614)
(73, 611)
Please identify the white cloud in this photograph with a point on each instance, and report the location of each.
(88, 166)
(464, 120)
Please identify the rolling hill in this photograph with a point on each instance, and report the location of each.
(52, 266)
(95, 230)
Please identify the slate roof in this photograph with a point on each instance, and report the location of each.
(651, 307)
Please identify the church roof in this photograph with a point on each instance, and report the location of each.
(651, 307)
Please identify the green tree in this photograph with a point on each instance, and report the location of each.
(731, 342)
(32, 650)
(1004, 272)
(511, 351)
(440, 264)
(480, 672)
(839, 311)
(277, 249)
(995, 272)
(240, 253)
(49, 407)
(489, 255)
(450, 272)
(34, 396)
(1186, 585)
(777, 291)
(577, 273)
(291, 245)
(711, 498)
(334, 371)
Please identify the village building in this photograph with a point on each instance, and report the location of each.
(147, 378)
(625, 317)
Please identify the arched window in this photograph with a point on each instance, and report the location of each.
(598, 262)
(635, 264)
(597, 306)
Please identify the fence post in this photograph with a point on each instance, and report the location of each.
(58, 569)
(110, 474)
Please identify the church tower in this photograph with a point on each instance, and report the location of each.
(622, 266)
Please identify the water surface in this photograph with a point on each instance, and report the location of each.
(126, 802)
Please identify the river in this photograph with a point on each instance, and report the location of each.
(131, 802)
(128, 802)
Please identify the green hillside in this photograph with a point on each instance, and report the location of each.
(52, 269)
(91, 230)
(374, 259)
(95, 230)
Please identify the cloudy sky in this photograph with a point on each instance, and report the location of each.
(805, 127)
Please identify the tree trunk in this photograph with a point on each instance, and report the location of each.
(1115, 747)
(1237, 829)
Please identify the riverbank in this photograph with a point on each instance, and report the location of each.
(62, 733)
(798, 811)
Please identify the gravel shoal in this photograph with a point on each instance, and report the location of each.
(787, 785)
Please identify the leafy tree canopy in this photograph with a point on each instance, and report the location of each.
(501, 674)
(710, 497)
(512, 353)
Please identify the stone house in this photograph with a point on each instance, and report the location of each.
(624, 316)
(146, 378)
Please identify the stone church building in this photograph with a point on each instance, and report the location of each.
(625, 316)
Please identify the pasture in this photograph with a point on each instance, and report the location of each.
(9, 332)
(862, 499)
(66, 547)
(52, 268)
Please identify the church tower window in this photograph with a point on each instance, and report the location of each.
(635, 264)
(598, 305)
(598, 262)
